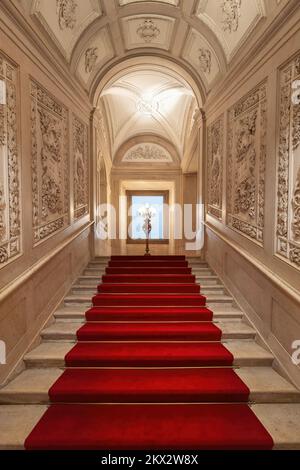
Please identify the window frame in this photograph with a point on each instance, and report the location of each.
(165, 194)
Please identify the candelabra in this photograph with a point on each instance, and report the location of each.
(147, 213)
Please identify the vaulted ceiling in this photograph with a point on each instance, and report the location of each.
(149, 101)
(204, 35)
(204, 38)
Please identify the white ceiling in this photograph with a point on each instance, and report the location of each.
(149, 101)
(203, 35)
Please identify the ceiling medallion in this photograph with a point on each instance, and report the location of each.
(231, 14)
(147, 105)
(66, 11)
(148, 31)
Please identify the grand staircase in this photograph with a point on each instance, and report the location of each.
(133, 343)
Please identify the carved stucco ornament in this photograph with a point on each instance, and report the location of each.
(205, 60)
(231, 14)
(66, 12)
(288, 168)
(148, 31)
(91, 57)
(144, 153)
(215, 167)
(81, 168)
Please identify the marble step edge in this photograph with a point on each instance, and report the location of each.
(63, 330)
(52, 354)
(87, 299)
(264, 383)
(281, 420)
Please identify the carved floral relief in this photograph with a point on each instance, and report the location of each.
(81, 168)
(66, 12)
(288, 167)
(231, 10)
(205, 60)
(50, 164)
(246, 157)
(148, 31)
(215, 162)
(91, 57)
(10, 201)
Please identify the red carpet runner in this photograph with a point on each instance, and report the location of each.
(149, 370)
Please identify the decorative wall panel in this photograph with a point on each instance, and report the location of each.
(246, 156)
(81, 168)
(288, 168)
(50, 164)
(215, 162)
(10, 205)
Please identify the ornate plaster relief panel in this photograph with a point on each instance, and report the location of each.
(96, 53)
(147, 153)
(201, 55)
(148, 31)
(232, 21)
(10, 203)
(246, 156)
(81, 168)
(215, 164)
(50, 164)
(288, 167)
(65, 20)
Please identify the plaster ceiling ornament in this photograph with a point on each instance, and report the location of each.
(10, 204)
(147, 105)
(66, 11)
(247, 127)
(148, 31)
(91, 57)
(50, 164)
(205, 60)
(231, 14)
(147, 153)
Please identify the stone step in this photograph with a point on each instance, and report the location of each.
(210, 280)
(281, 420)
(67, 330)
(86, 299)
(77, 312)
(91, 289)
(52, 354)
(95, 280)
(265, 384)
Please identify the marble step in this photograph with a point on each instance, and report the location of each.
(91, 289)
(281, 420)
(264, 383)
(95, 280)
(77, 312)
(51, 354)
(86, 299)
(67, 330)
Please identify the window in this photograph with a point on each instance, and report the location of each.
(156, 201)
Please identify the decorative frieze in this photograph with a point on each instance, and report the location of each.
(215, 161)
(50, 164)
(81, 168)
(288, 168)
(10, 201)
(246, 158)
(147, 153)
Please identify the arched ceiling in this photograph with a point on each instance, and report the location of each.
(149, 101)
(202, 35)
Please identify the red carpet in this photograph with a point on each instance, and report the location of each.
(149, 332)
(149, 370)
(150, 299)
(133, 427)
(151, 386)
(158, 313)
(152, 288)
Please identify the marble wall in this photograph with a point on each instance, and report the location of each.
(253, 168)
(44, 188)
